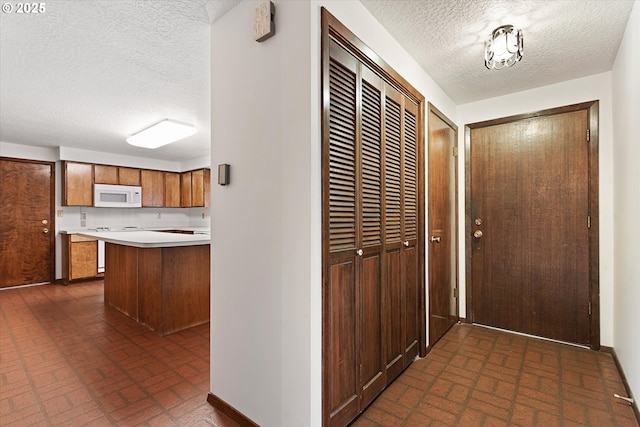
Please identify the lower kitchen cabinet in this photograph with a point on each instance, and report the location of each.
(79, 257)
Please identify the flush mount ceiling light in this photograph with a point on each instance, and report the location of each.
(503, 48)
(162, 133)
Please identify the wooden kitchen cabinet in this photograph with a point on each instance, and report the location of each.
(104, 174)
(195, 188)
(185, 189)
(152, 188)
(79, 257)
(128, 176)
(77, 184)
(116, 175)
(172, 189)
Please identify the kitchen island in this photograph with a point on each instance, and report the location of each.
(159, 279)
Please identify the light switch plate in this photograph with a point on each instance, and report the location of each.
(263, 21)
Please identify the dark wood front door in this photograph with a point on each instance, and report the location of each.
(529, 225)
(27, 229)
(442, 237)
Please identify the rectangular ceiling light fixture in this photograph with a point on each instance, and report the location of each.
(162, 133)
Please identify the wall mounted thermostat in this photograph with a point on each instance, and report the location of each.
(264, 25)
(223, 174)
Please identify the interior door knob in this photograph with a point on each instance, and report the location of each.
(477, 234)
(435, 239)
(45, 230)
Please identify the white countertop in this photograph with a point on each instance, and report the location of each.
(148, 239)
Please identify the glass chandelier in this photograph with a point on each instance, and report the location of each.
(503, 48)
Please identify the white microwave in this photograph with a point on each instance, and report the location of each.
(117, 196)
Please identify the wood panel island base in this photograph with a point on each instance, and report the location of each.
(165, 289)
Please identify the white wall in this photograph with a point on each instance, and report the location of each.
(597, 87)
(260, 300)
(626, 197)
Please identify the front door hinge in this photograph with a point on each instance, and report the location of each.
(588, 221)
(455, 151)
(588, 135)
(589, 308)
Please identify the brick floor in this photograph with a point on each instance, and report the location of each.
(66, 359)
(476, 376)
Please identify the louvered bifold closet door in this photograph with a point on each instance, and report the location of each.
(354, 293)
(372, 361)
(410, 264)
(393, 287)
(340, 295)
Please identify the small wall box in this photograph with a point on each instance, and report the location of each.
(223, 174)
(264, 25)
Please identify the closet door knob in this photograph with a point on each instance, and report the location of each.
(406, 243)
(359, 252)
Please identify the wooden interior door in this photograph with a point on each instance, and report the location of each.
(442, 236)
(27, 226)
(529, 224)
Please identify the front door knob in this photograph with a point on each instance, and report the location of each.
(477, 234)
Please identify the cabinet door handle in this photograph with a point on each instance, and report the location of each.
(360, 252)
(406, 243)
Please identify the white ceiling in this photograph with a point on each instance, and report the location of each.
(563, 40)
(88, 73)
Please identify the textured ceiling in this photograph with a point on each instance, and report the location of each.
(563, 40)
(88, 73)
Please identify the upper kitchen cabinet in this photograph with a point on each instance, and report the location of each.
(128, 176)
(172, 189)
(104, 174)
(185, 190)
(195, 191)
(77, 184)
(200, 187)
(152, 188)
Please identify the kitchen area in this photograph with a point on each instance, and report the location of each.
(146, 232)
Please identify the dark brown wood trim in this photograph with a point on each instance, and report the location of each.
(592, 108)
(594, 231)
(422, 206)
(52, 211)
(467, 225)
(539, 113)
(230, 411)
(623, 377)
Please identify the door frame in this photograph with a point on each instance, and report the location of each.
(52, 211)
(592, 108)
(433, 110)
